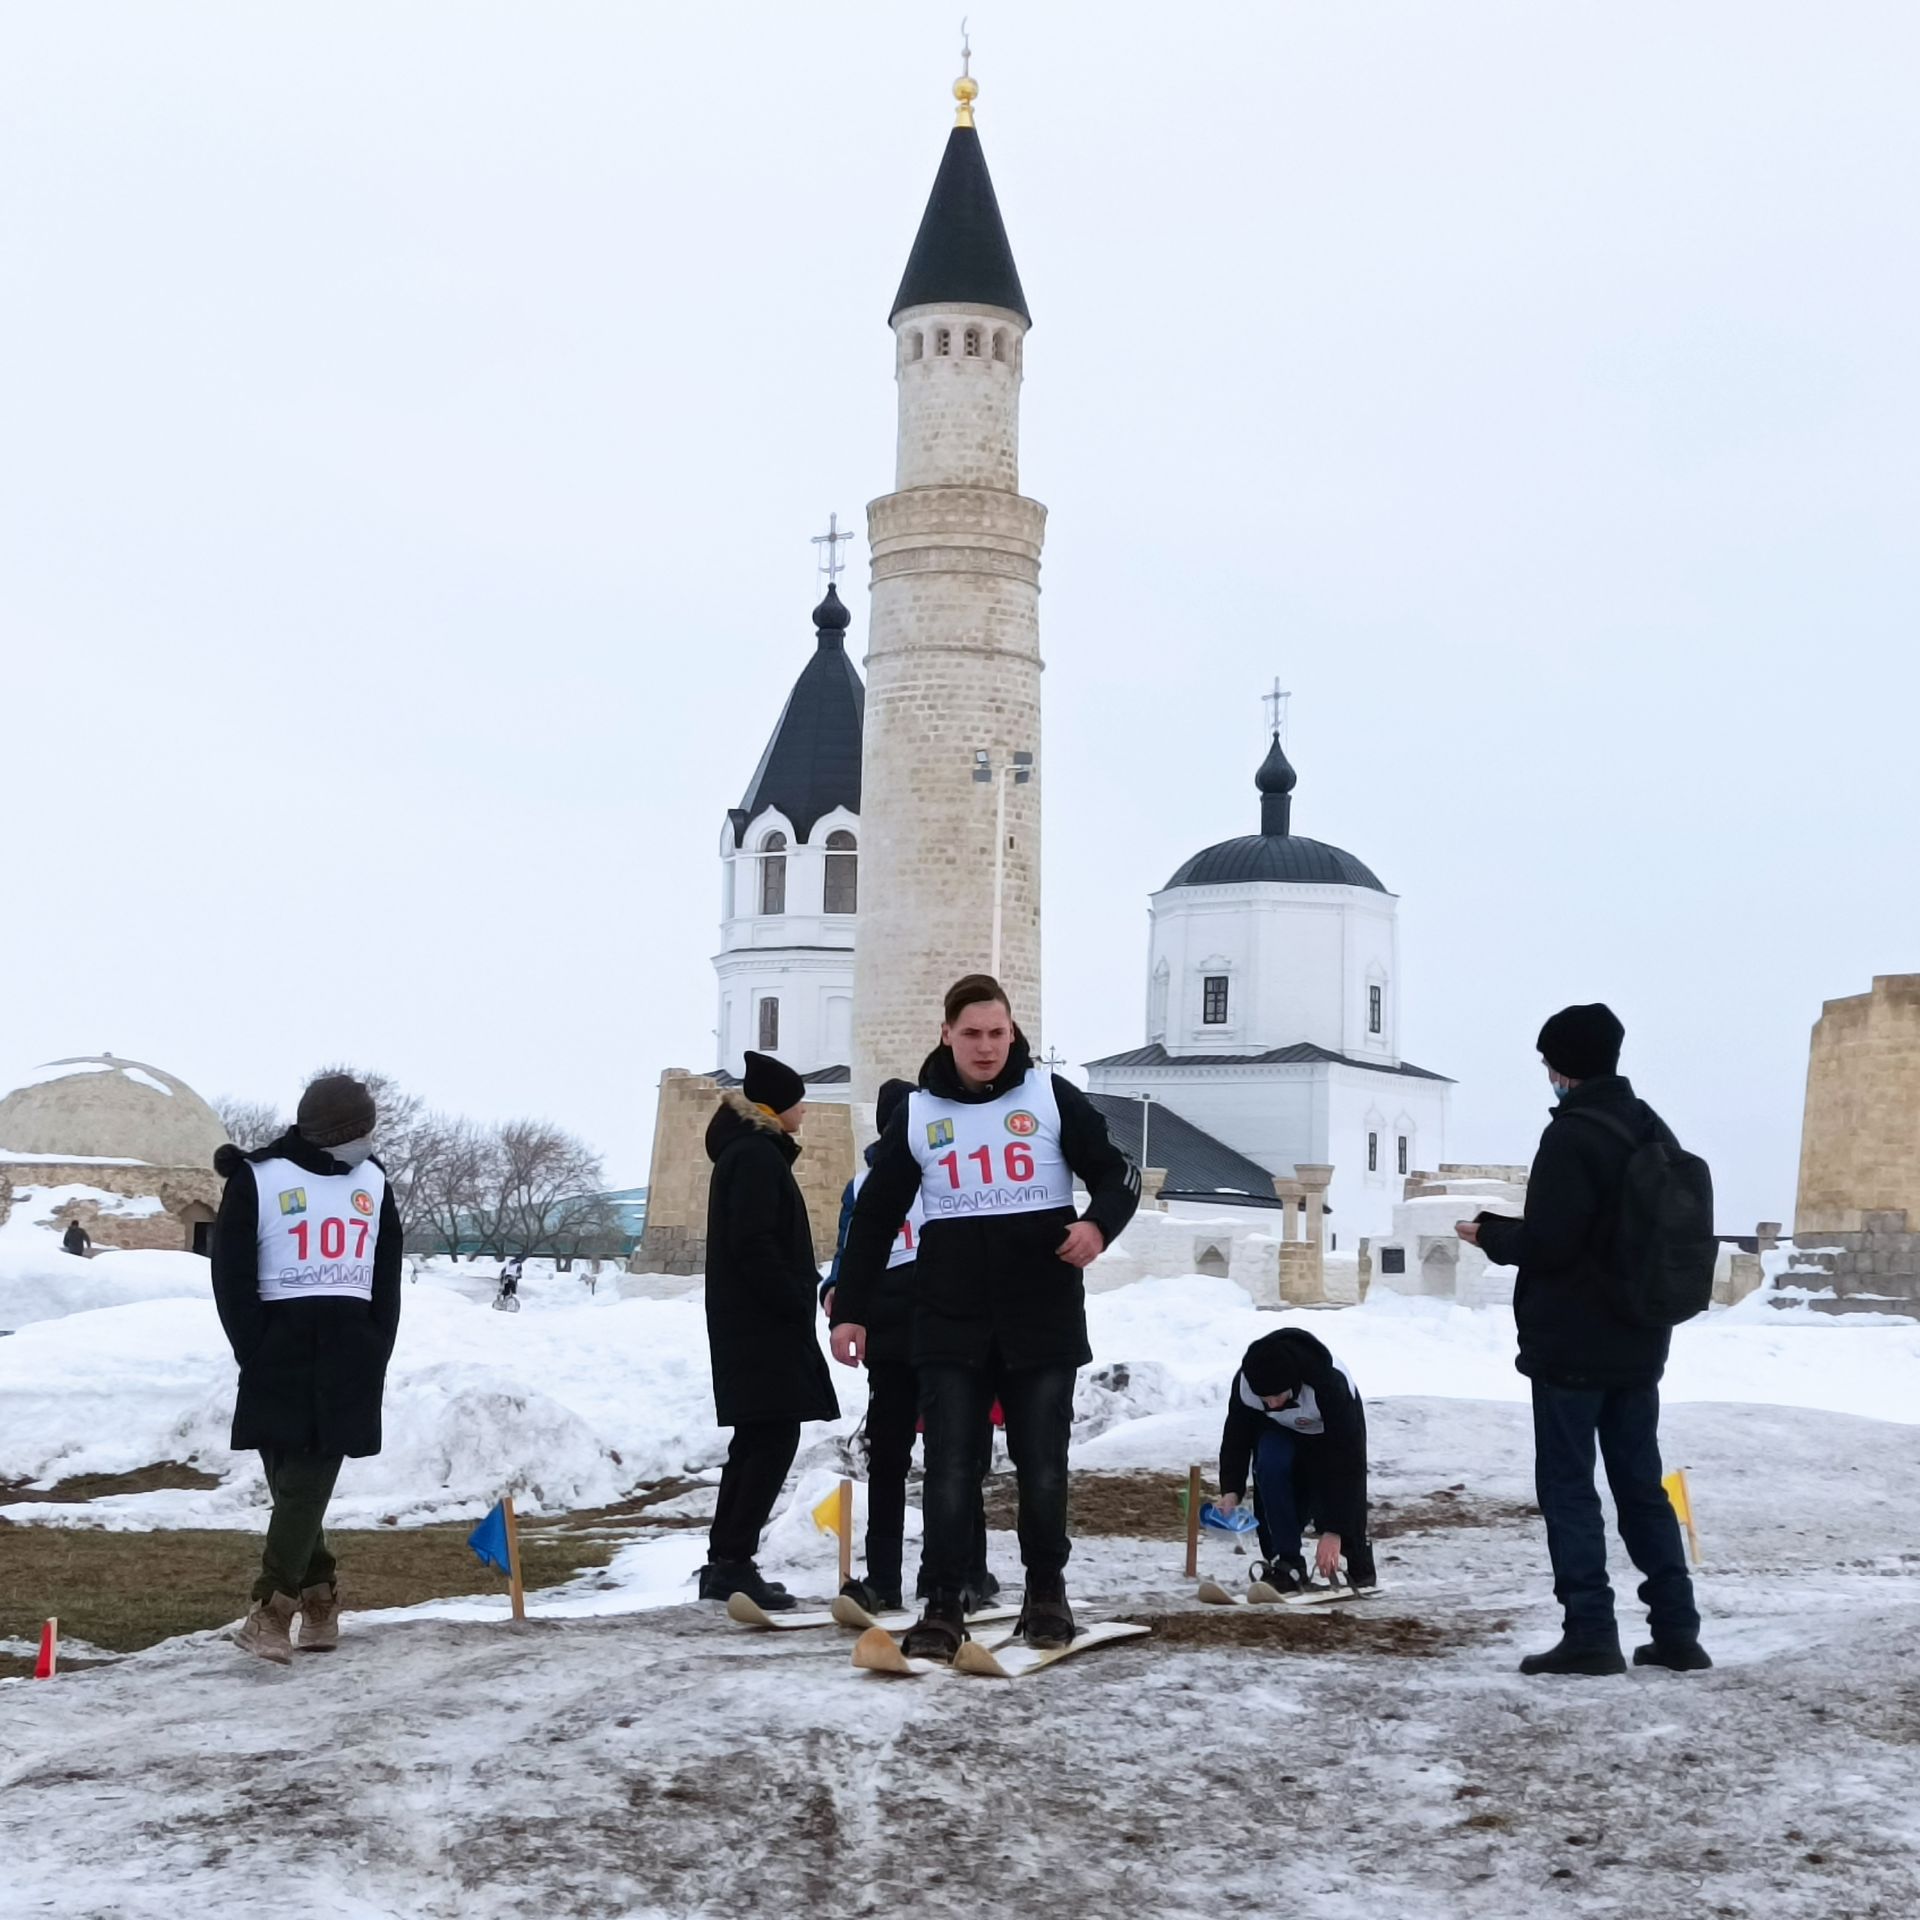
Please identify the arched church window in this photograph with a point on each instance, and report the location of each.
(1213, 1000)
(1373, 1009)
(1000, 344)
(769, 1024)
(943, 342)
(973, 343)
(1157, 1004)
(773, 873)
(843, 873)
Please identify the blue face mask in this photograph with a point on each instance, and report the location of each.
(1559, 1092)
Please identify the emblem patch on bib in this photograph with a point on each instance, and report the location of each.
(1023, 1123)
(939, 1133)
(362, 1200)
(293, 1200)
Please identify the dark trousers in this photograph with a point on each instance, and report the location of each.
(296, 1555)
(1626, 1422)
(893, 1419)
(957, 1403)
(757, 1461)
(1277, 1504)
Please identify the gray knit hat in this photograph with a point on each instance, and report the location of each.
(334, 1110)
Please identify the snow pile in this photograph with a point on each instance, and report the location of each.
(39, 1280)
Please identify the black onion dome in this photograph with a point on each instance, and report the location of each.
(1276, 773)
(1284, 857)
(831, 615)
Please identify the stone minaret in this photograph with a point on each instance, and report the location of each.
(953, 667)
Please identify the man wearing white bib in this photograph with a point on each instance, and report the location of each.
(991, 1147)
(306, 1278)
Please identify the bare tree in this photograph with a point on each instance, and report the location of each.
(398, 1133)
(547, 1189)
(455, 1175)
(249, 1123)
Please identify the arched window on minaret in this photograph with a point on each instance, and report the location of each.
(973, 343)
(1000, 344)
(843, 873)
(943, 342)
(773, 873)
(915, 344)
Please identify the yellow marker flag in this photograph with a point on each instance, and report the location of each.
(1675, 1485)
(826, 1516)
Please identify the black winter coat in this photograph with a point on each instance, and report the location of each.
(890, 1305)
(1330, 1467)
(1570, 1335)
(993, 1281)
(312, 1372)
(762, 1284)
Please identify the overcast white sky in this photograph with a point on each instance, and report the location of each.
(413, 418)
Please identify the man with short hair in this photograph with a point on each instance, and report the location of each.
(1595, 1375)
(991, 1145)
(768, 1371)
(306, 1279)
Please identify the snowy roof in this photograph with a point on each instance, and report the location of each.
(1196, 1162)
(1301, 1053)
(105, 1109)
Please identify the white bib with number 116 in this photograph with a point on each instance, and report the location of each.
(1001, 1156)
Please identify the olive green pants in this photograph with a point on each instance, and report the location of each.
(296, 1553)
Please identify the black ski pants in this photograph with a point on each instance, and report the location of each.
(296, 1555)
(1626, 1422)
(957, 1403)
(758, 1458)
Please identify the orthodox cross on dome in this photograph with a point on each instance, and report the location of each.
(831, 564)
(1276, 706)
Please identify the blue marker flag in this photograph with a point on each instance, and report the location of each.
(1240, 1520)
(489, 1538)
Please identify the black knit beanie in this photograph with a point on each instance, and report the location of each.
(1582, 1043)
(334, 1110)
(888, 1101)
(1272, 1366)
(772, 1083)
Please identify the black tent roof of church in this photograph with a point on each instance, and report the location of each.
(1198, 1165)
(960, 255)
(812, 763)
(1276, 852)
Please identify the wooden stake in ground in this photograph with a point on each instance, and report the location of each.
(513, 1562)
(1193, 1523)
(846, 1531)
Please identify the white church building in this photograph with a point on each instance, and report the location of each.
(790, 878)
(1273, 1016)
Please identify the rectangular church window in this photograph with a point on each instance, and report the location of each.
(769, 1025)
(1373, 1153)
(1213, 999)
(1403, 1153)
(1373, 1009)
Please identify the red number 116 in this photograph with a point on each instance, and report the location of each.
(1017, 1156)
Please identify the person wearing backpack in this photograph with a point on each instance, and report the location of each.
(1615, 1248)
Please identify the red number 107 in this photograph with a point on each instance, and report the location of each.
(1017, 1157)
(333, 1238)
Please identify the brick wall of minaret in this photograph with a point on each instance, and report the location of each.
(953, 666)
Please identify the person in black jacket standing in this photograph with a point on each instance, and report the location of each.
(1296, 1418)
(768, 1371)
(306, 1279)
(1595, 1375)
(991, 1145)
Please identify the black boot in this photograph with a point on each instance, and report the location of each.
(1678, 1656)
(937, 1634)
(1595, 1657)
(979, 1592)
(1046, 1620)
(871, 1597)
(1360, 1574)
(1284, 1576)
(722, 1579)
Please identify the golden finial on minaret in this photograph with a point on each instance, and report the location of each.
(966, 89)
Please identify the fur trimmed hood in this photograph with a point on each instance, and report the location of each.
(737, 1118)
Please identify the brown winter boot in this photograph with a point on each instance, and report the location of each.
(265, 1630)
(319, 1619)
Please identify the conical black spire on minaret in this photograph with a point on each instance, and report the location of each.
(960, 255)
(1276, 781)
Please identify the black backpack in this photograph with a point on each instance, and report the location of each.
(1664, 1246)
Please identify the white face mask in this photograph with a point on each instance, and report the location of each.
(351, 1152)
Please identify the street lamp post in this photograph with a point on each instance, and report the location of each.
(1018, 771)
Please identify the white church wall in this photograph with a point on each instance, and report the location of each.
(1434, 1260)
(1393, 1107)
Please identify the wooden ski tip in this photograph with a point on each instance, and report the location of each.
(976, 1659)
(1215, 1595)
(850, 1613)
(747, 1612)
(1262, 1595)
(876, 1651)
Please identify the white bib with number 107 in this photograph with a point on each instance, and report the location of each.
(1002, 1156)
(317, 1230)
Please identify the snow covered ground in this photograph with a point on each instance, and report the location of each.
(630, 1753)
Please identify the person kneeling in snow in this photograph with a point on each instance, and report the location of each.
(306, 1277)
(1294, 1413)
